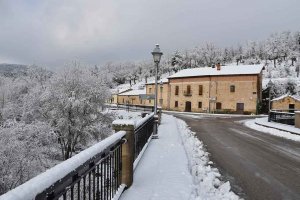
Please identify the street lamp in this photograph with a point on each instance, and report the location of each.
(270, 85)
(161, 90)
(156, 53)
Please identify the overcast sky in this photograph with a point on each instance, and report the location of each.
(51, 33)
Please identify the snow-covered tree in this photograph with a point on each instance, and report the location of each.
(71, 105)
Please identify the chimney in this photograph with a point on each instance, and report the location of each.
(218, 67)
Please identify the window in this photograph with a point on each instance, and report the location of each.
(161, 89)
(218, 106)
(188, 89)
(150, 90)
(123, 100)
(176, 90)
(200, 89)
(232, 88)
(149, 100)
(199, 104)
(176, 104)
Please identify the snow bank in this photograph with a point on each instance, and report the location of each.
(264, 121)
(124, 122)
(37, 184)
(123, 114)
(206, 178)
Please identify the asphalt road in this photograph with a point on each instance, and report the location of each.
(258, 165)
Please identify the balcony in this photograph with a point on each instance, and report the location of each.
(187, 93)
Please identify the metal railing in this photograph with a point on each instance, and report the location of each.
(99, 178)
(282, 117)
(95, 173)
(142, 133)
(187, 93)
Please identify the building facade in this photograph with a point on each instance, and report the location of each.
(132, 97)
(223, 89)
(162, 93)
(286, 102)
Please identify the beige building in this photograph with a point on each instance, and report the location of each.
(223, 89)
(132, 97)
(286, 102)
(114, 95)
(162, 93)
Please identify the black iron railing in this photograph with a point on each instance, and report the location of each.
(142, 133)
(96, 173)
(187, 93)
(98, 178)
(282, 117)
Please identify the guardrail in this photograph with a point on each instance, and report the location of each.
(282, 117)
(99, 172)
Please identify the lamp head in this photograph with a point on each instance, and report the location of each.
(157, 54)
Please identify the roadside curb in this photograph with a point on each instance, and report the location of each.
(276, 128)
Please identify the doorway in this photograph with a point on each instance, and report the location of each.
(188, 106)
(240, 108)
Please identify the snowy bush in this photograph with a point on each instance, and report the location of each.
(25, 151)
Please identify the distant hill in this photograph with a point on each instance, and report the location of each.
(12, 70)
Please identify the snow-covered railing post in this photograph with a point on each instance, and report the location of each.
(127, 150)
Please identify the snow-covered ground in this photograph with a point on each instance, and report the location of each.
(175, 166)
(126, 115)
(254, 124)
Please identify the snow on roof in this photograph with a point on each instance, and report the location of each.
(134, 92)
(124, 90)
(296, 97)
(119, 91)
(163, 80)
(225, 70)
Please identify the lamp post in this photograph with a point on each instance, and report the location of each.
(270, 85)
(156, 53)
(161, 90)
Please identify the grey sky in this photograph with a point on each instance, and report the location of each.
(53, 32)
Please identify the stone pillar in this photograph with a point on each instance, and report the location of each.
(297, 119)
(127, 150)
